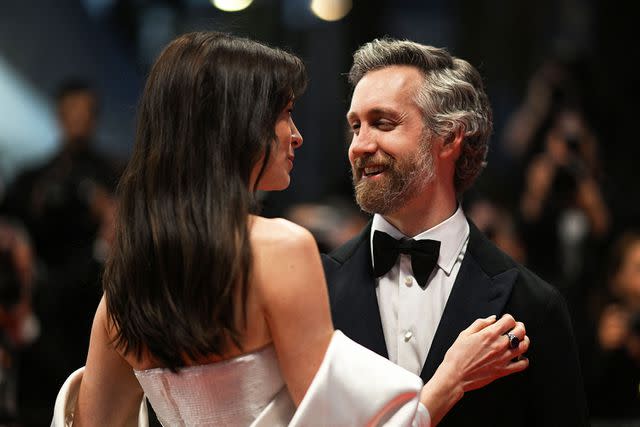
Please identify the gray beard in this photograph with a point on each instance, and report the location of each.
(402, 182)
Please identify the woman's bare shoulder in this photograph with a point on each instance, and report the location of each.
(283, 252)
(278, 234)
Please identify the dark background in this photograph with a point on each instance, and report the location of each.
(112, 43)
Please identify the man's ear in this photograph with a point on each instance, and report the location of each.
(452, 146)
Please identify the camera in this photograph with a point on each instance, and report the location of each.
(573, 144)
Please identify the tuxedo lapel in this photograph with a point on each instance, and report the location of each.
(475, 294)
(352, 290)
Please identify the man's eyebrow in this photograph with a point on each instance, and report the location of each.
(378, 111)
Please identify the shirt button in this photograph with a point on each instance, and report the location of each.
(407, 336)
(408, 281)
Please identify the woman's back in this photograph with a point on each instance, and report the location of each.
(288, 328)
(274, 244)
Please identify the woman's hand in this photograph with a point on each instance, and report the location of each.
(480, 355)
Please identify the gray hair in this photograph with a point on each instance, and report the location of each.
(452, 98)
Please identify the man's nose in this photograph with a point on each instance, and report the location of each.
(362, 143)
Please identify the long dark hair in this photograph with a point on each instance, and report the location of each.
(181, 250)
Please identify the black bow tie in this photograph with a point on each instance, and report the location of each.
(424, 255)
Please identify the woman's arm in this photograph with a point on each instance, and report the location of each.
(109, 392)
(293, 293)
(479, 355)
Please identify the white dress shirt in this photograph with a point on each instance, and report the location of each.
(410, 315)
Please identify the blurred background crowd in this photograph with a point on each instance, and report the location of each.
(559, 193)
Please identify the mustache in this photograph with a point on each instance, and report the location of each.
(372, 159)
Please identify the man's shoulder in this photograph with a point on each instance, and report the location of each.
(343, 253)
(533, 291)
(494, 261)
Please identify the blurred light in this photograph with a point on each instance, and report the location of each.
(28, 129)
(331, 10)
(231, 5)
(98, 8)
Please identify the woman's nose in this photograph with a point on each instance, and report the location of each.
(296, 136)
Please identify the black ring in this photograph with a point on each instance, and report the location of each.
(514, 341)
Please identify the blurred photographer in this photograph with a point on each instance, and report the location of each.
(66, 205)
(18, 326)
(498, 225)
(613, 373)
(63, 202)
(562, 209)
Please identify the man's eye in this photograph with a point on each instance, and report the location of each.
(384, 125)
(355, 127)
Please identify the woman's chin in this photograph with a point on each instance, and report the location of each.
(278, 185)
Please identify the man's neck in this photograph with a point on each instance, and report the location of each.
(424, 212)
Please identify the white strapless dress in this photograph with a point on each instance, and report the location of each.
(353, 387)
(234, 392)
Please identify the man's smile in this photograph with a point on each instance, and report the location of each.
(374, 170)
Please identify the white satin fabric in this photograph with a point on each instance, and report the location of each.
(353, 387)
(233, 392)
(65, 405)
(356, 387)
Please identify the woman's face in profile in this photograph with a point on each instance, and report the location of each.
(288, 138)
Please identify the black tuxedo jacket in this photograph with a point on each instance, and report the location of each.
(548, 393)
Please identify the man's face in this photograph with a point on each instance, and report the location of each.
(390, 152)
